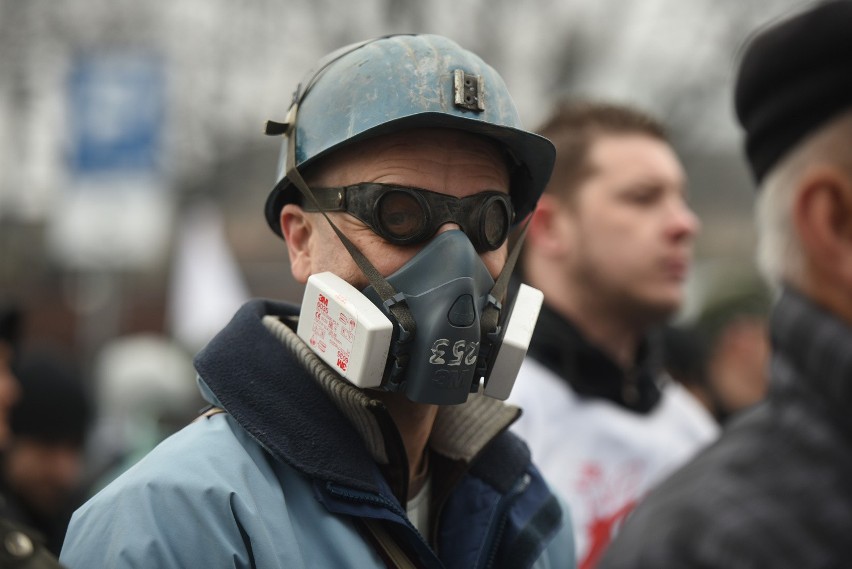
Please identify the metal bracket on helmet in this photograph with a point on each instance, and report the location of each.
(468, 91)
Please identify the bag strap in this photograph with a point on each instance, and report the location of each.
(393, 552)
(208, 412)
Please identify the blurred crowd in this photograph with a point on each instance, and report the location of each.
(65, 433)
(637, 393)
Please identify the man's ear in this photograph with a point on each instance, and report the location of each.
(297, 227)
(822, 215)
(547, 228)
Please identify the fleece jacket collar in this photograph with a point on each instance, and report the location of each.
(273, 397)
(258, 371)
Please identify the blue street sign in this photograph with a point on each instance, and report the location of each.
(116, 113)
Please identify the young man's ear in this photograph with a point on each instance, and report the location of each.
(296, 227)
(547, 228)
(822, 216)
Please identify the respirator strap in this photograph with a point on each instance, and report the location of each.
(490, 320)
(490, 329)
(394, 301)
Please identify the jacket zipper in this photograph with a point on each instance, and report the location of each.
(496, 533)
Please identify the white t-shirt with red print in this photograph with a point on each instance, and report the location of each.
(601, 457)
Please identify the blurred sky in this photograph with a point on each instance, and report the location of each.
(95, 243)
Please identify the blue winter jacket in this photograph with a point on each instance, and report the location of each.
(299, 462)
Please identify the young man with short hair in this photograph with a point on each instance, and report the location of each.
(609, 245)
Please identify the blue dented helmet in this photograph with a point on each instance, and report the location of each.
(401, 82)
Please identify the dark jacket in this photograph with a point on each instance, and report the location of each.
(22, 548)
(775, 490)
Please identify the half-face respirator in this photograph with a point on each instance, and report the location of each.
(447, 289)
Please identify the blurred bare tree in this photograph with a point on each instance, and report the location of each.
(230, 65)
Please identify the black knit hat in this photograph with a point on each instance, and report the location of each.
(54, 406)
(794, 77)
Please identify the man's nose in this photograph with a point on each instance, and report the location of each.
(449, 226)
(683, 224)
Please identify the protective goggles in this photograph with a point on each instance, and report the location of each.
(410, 216)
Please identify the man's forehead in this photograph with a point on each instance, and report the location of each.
(613, 175)
(634, 154)
(415, 151)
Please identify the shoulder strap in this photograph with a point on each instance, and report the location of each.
(393, 553)
(208, 412)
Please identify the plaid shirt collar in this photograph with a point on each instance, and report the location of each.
(818, 347)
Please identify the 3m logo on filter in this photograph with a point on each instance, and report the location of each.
(345, 329)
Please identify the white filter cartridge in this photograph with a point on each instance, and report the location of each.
(519, 329)
(345, 329)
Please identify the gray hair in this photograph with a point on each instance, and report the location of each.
(780, 257)
(779, 252)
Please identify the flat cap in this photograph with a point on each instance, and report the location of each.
(794, 77)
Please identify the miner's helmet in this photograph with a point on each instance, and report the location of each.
(403, 82)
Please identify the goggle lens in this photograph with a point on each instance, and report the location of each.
(401, 215)
(495, 222)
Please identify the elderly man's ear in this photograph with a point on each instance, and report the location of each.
(822, 216)
(296, 228)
